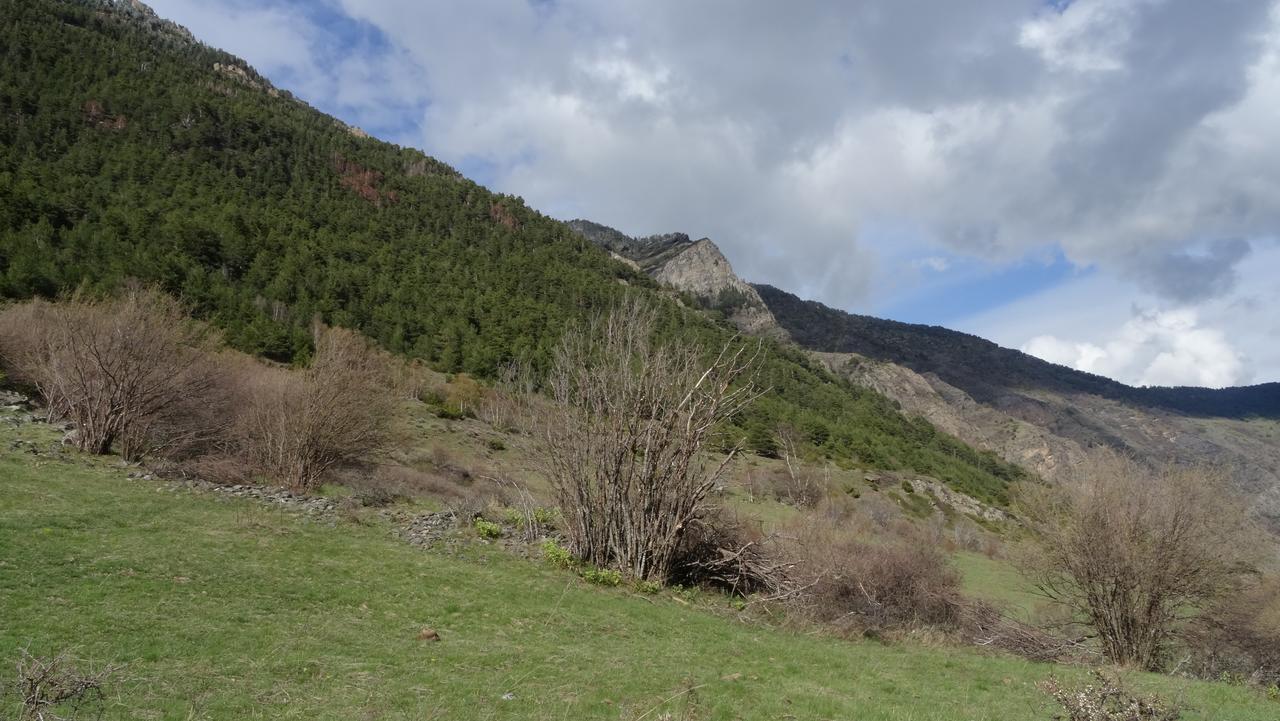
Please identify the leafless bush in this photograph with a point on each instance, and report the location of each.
(801, 486)
(297, 426)
(133, 370)
(722, 551)
(503, 407)
(889, 583)
(410, 379)
(986, 625)
(1107, 700)
(1134, 550)
(54, 689)
(1239, 636)
(624, 450)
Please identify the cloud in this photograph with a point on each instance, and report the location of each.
(1156, 348)
(1134, 134)
(935, 263)
(340, 67)
(1136, 138)
(1185, 276)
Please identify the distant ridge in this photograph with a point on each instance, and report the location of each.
(986, 370)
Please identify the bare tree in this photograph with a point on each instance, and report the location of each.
(299, 425)
(1134, 550)
(119, 369)
(800, 488)
(624, 447)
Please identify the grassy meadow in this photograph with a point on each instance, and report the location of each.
(221, 608)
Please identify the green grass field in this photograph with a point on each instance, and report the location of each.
(997, 581)
(222, 609)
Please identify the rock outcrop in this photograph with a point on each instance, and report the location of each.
(696, 267)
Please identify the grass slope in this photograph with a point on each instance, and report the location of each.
(226, 610)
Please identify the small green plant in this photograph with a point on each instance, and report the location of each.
(907, 487)
(513, 517)
(488, 529)
(1232, 678)
(544, 516)
(496, 444)
(602, 576)
(558, 555)
(649, 587)
(1273, 693)
(449, 414)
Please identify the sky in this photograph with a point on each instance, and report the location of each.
(1095, 182)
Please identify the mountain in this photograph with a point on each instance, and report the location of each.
(1036, 414)
(131, 152)
(989, 372)
(696, 267)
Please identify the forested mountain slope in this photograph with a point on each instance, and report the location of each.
(985, 370)
(1040, 416)
(130, 151)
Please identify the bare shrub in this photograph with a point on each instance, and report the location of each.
(133, 370)
(1134, 550)
(297, 426)
(503, 407)
(411, 379)
(799, 486)
(984, 624)
(1106, 699)
(720, 550)
(625, 447)
(1239, 636)
(55, 689)
(888, 583)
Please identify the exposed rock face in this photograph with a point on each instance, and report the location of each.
(1039, 415)
(954, 411)
(696, 267)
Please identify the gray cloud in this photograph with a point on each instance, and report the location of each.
(1137, 135)
(1190, 277)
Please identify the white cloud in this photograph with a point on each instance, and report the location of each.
(935, 263)
(1092, 323)
(1136, 136)
(1157, 348)
(1132, 133)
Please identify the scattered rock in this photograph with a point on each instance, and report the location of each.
(13, 401)
(427, 528)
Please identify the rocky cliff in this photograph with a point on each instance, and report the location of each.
(696, 267)
(1038, 415)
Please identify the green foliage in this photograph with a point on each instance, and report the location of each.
(488, 529)
(125, 155)
(558, 555)
(602, 576)
(184, 588)
(496, 444)
(649, 587)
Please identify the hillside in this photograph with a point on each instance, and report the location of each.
(1038, 415)
(132, 152)
(222, 608)
(696, 267)
(987, 371)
